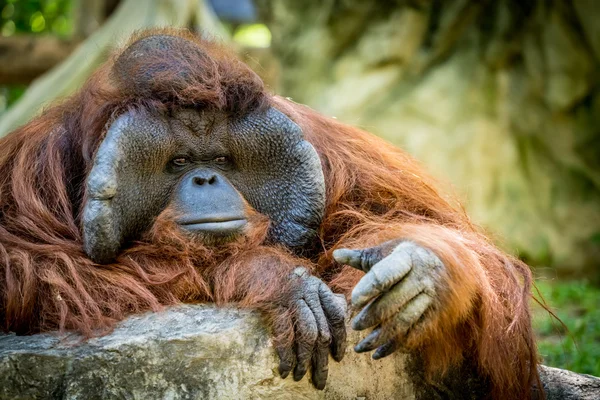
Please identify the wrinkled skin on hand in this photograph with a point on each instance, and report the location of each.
(319, 320)
(395, 294)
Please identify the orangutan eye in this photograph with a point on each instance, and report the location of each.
(221, 160)
(180, 161)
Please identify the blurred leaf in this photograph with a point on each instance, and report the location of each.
(37, 22)
(36, 16)
(254, 35)
(61, 25)
(8, 28)
(8, 11)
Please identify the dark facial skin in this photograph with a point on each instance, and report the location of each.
(206, 165)
(207, 204)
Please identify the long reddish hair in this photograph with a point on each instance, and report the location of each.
(375, 192)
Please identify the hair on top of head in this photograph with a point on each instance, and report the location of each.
(179, 67)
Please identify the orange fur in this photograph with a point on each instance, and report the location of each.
(375, 192)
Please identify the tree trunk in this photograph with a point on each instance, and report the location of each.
(130, 16)
(499, 97)
(25, 57)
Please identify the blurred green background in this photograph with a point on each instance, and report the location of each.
(32, 17)
(498, 98)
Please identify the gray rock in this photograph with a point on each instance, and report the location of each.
(199, 352)
(566, 385)
(186, 352)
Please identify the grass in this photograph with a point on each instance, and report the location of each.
(577, 304)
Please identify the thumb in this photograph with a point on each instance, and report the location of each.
(360, 259)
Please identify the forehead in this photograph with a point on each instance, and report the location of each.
(205, 131)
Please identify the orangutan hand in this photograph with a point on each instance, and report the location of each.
(399, 287)
(319, 319)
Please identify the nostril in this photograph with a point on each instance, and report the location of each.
(201, 180)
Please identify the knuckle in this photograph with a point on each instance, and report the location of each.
(429, 286)
(378, 282)
(337, 318)
(419, 256)
(323, 288)
(369, 257)
(309, 335)
(300, 272)
(337, 309)
(324, 338)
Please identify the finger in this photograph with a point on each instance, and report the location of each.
(335, 310)
(287, 358)
(386, 349)
(390, 303)
(320, 356)
(397, 326)
(314, 303)
(306, 336)
(370, 342)
(385, 274)
(320, 366)
(359, 259)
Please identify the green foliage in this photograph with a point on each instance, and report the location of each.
(31, 17)
(577, 304)
(10, 94)
(35, 16)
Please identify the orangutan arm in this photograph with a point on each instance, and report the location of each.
(442, 294)
(308, 319)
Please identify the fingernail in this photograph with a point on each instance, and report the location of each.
(378, 354)
(299, 375)
(363, 346)
(338, 355)
(385, 350)
(342, 255)
(359, 322)
(368, 343)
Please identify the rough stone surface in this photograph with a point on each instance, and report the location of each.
(199, 352)
(560, 384)
(186, 352)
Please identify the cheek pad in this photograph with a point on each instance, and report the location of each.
(123, 194)
(279, 174)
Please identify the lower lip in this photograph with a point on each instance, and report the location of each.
(217, 228)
